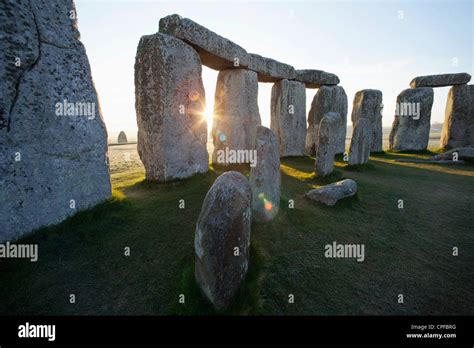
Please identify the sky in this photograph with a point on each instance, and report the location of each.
(368, 44)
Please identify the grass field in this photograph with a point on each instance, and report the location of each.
(408, 251)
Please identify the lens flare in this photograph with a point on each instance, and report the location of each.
(193, 95)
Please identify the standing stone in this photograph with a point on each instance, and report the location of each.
(361, 142)
(458, 127)
(222, 238)
(53, 141)
(368, 104)
(169, 102)
(327, 99)
(265, 176)
(236, 115)
(440, 80)
(122, 138)
(288, 116)
(327, 143)
(411, 126)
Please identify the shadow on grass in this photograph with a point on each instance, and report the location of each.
(247, 300)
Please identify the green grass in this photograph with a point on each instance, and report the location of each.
(408, 251)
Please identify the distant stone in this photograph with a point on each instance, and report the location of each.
(216, 52)
(411, 126)
(458, 127)
(169, 93)
(361, 142)
(327, 143)
(270, 70)
(53, 140)
(327, 99)
(222, 238)
(460, 153)
(332, 193)
(441, 80)
(288, 116)
(236, 114)
(265, 176)
(316, 78)
(122, 138)
(368, 104)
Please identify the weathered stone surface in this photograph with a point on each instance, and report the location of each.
(288, 116)
(440, 80)
(316, 78)
(411, 126)
(236, 115)
(53, 160)
(270, 70)
(122, 138)
(169, 102)
(216, 52)
(368, 104)
(459, 153)
(327, 99)
(458, 127)
(265, 176)
(361, 142)
(223, 225)
(332, 193)
(327, 143)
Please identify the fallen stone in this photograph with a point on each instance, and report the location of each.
(316, 78)
(265, 176)
(270, 70)
(432, 161)
(327, 99)
(215, 51)
(460, 153)
(441, 80)
(170, 100)
(332, 193)
(222, 238)
(327, 143)
(361, 142)
(236, 114)
(411, 126)
(458, 126)
(122, 138)
(53, 141)
(368, 104)
(288, 117)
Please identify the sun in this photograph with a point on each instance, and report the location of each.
(208, 114)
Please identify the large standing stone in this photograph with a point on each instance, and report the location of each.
(327, 143)
(222, 238)
(361, 142)
(265, 176)
(270, 70)
(411, 126)
(458, 127)
(122, 138)
(332, 193)
(172, 131)
(327, 99)
(53, 141)
(216, 51)
(288, 116)
(440, 80)
(368, 104)
(236, 115)
(316, 78)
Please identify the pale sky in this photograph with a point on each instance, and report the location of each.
(368, 44)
